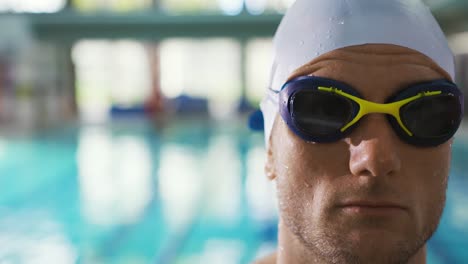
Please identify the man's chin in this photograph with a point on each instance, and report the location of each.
(377, 246)
(374, 236)
(368, 229)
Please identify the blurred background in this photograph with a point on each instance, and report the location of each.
(123, 135)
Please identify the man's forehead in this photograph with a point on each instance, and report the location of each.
(388, 66)
(374, 54)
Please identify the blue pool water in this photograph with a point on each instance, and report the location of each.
(186, 192)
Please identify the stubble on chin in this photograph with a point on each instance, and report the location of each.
(333, 245)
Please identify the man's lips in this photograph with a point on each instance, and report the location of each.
(371, 207)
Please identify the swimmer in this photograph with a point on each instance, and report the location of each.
(359, 122)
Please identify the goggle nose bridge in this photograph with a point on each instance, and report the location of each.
(368, 107)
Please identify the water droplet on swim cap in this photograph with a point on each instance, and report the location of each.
(342, 23)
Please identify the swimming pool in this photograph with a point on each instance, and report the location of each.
(186, 192)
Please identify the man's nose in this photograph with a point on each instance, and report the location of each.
(374, 148)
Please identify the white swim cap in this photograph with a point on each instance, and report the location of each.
(311, 28)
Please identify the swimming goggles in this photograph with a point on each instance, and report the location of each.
(324, 110)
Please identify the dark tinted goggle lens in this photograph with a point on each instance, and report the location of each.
(320, 113)
(432, 117)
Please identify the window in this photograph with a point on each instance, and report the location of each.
(110, 73)
(205, 68)
(267, 6)
(259, 61)
(228, 7)
(111, 5)
(32, 6)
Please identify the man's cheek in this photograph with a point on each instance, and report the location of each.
(302, 198)
(292, 191)
(430, 196)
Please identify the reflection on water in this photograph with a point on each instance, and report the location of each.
(114, 177)
(34, 237)
(180, 185)
(221, 251)
(459, 217)
(260, 192)
(221, 170)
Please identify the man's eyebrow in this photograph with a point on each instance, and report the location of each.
(317, 64)
(393, 51)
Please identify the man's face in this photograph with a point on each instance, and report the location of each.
(315, 181)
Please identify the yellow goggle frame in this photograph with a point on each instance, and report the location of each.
(368, 107)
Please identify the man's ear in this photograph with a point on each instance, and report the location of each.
(270, 164)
